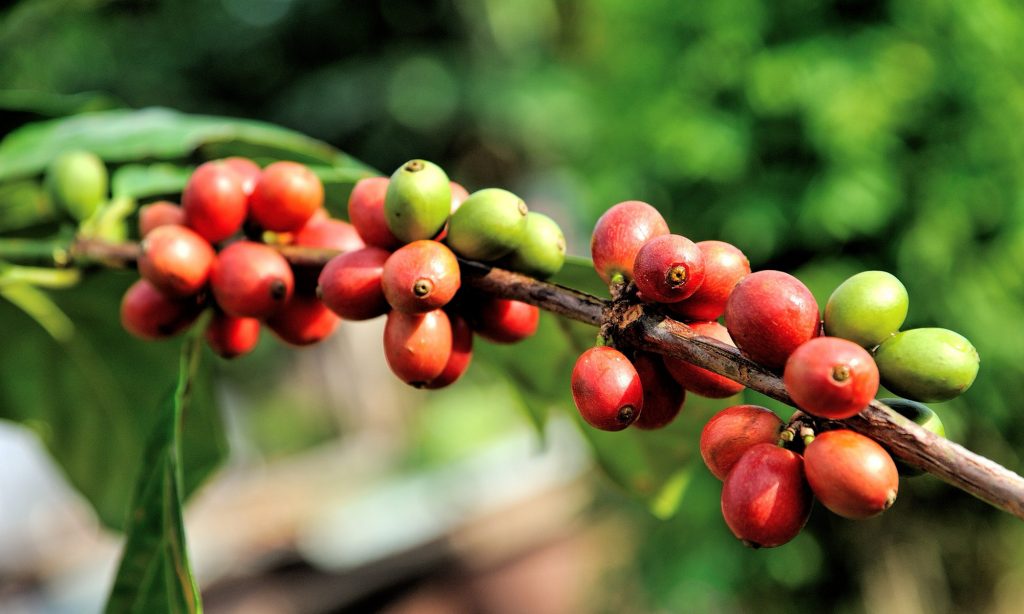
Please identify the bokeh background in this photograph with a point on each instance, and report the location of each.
(821, 137)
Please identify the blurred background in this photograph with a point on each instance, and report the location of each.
(821, 137)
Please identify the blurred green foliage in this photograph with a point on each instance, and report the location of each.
(822, 138)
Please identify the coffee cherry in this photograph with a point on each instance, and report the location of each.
(328, 234)
(620, 233)
(417, 346)
(248, 171)
(850, 474)
(459, 196)
(420, 277)
(489, 224)
(501, 320)
(699, 380)
(765, 499)
(350, 284)
(724, 267)
(366, 212)
(230, 337)
(927, 364)
(214, 201)
(161, 213)
(176, 260)
(924, 417)
(462, 353)
(303, 320)
(77, 183)
(606, 389)
(831, 378)
(733, 431)
(286, 195)
(663, 397)
(668, 268)
(418, 201)
(867, 308)
(769, 314)
(541, 253)
(149, 314)
(251, 280)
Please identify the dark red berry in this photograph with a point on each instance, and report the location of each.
(161, 213)
(350, 284)
(734, 430)
(286, 196)
(765, 498)
(724, 266)
(606, 389)
(663, 397)
(366, 212)
(247, 170)
(769, 314)
(668, 268)
(462, 353)
(851, 474)
(251, 280)
(214, 201)
(150, 314)
(501, 320)
(831, 377)
(417, 346)
(421, 276)
(303, 320)
(230, 337)
(699, 380)
(176, 260)
(619, 234)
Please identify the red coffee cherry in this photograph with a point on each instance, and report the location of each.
(149, 314)
(420, 277)
(231, 337)
(417, 346)
(733, 431)
(247, 170)
(501, 320)
(303, 320)
(663, 397)
(160, 213)
(286, 195)
(350, 284)
(366, 212)
(214, 201)
(699, 380)
(328, 233)
(462, 353)
(668, 268)
(851, 474)
(831, 377)
(765, 498)
(724, 266)
(619, 234)
(769, 314)
(251, 280)
(176, 260)
(606, 389)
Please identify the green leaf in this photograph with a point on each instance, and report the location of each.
(40, 308)
(155, 574)
(140, 181)
(24, 203)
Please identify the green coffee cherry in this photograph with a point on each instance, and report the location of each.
(490, 224)
(77, 181)
(418, 201)
(924, 417)
(866, 308)
(542, 250)
(927, 364)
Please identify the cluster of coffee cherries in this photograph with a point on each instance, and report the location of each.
(830, 368)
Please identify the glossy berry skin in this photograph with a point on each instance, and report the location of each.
(303, 320)
(620, 233)
(462, 353)
(459, 196)
(231, 337)
(247, 170)
(769, 314)
(927, 364)
(417, 346)
(418, 201)
(328, 234)
(214, 201)
(851, 474)
(176, 260)
(420, 277)
(663, 397)
(502, 320)
(286, 196)
(150, 314)
(733, 431)
(699, 380)
(350, 284)
(606, 389)
(366, 212)
(160, 213)
(831, 378)
(724, 266)
(491, 223)
(867, 308)
(668, 268)
(251, 280)
(765, 498)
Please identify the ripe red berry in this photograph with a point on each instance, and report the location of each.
(619, 234)
(501, 320)
(303, 320)
(851, 474)
(176, 260)
(699, 380)
(733, 431)
(161, 213)
(769, 314)
(724, 266)
(606, 389)
(668, 268)
(247, 170)
(420, 277)
(831, 377)
(462, 353)
(251, 280)
(328, 233)
(765, 498)
(286, 195)
(149, 314)
(214, 201)
(366, 212)
(417, 346)
(663, 397)
(230, 337)
(350, 284)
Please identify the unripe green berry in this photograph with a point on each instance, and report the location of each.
(77, 182)
(927, 364)
(418, 201)
(866, 308)
(542, 251)
(489, 224)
